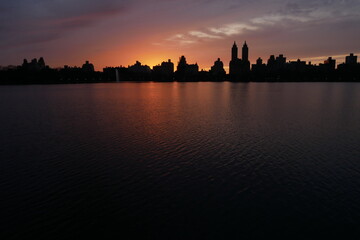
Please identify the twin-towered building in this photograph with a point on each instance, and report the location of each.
(239, 69)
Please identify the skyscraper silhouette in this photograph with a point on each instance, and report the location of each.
(351, 59)
(239, 68)
(245, 52)
(234, 52)
(245, 60)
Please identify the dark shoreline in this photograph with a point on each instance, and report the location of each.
(106, 82)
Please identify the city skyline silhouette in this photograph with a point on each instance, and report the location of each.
(339, 59)
(276, 68)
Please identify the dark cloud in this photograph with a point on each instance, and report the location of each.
(38, 21)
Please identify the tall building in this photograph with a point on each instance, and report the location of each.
(181, 64)
(235, 63)
(218, 67)
(185, 71)
(245, 58)
(330, 63)
(217, 71)
(258, 68)
(88, 67)
(351, 60)
(259, 61)
(280, 60)
(239, 68)
(164, 72)
(275, 64)
(271, 61)
(234, 52)
(245, 52)
(168, 67)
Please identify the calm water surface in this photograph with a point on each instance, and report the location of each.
(179, 160)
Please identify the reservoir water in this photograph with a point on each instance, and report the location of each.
(180, 160)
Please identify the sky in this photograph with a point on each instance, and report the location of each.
(119, 32)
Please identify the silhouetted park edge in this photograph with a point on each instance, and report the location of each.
(277, 69)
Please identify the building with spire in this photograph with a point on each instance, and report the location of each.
(245, 52)
(245, 59)
(239, 68)
(234, 52)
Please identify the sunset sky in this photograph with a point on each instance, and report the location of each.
(113, 33)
